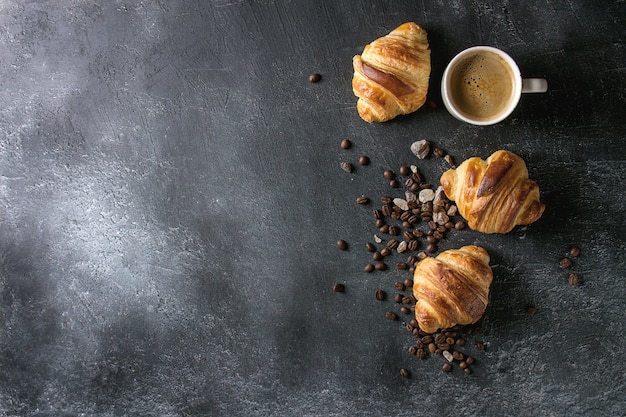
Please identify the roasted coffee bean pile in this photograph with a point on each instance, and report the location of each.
(410, 226)
(568, 261)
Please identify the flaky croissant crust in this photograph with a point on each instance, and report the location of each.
(494, 195)
(391, 75)
(452, 288)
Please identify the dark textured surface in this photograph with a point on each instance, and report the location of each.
(170, 198)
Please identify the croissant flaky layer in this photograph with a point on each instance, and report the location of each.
(494, 195)
(452, 288)
(391, 75)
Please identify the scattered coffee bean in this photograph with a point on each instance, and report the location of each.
(376, 256)
(574, 251)
(338, 287)
(380, 266)
(362, 200)
(449, 160)
(388, 174)
(364, 160)
(432, 248)
(412, 349)
(467, 371)
(573, 279)
(385, 252)
(469, 360)
(447, 367)
(531, 310)
(438, 152)
(404, 310)
(347, 167)
(460, 342)
(432, 347)
(460, 225)
(391, 315)
(405, 373)
(480, 346)
(342, 244)
(565, 263)
(421, 353)
(458, 356)
(399, 286)
(345, 144)
(398, 298)
(449, 356)
(408, 283)
(370, 247)
(404, 170)
(394, 184)
(369, 268)
(315, 77)
(380, 295)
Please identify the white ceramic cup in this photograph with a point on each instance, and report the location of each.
(482, 85)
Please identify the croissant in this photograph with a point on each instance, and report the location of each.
(494, 195)
(452, 288)
(391, 75)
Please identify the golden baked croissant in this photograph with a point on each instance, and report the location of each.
(391, 75)
(452, 288)
(494, 195)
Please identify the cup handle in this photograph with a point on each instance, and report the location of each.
(534, 85)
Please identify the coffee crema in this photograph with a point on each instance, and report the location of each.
(482, 86)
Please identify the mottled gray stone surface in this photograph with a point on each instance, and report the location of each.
(170, 199)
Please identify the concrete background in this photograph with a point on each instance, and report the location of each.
(170, 199)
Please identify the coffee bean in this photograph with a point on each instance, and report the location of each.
(338, 287)
(413, 350)
(421, 148)
(384, 229)
(380, 266)
(469, 360)
(438, 152)
(447, 367)
(370, 247)
(376, 256)
(389, 174)
(342, 244)
(362, 200)
(369, 268)
(480, 346)
(565, 263)
(413, 245)
(315, 77)
(364, 160)
(443, 346)
(458, 356)
(531, 310)
(404, 310)
(467, 371)
(573, 279)
(462, 365)
(401, 265)
(391, 315)
(405, 373)
(460, 341)
(394, 184)
(347, 167)
(399, 286)
(408, 283)
(378, 215)
(449, 160)
(421, 353)
(574, 251)
(407, 300)
(393, 230)
(392, 244)
(459, 225)
(432, 248)
(385, 252)
(380, 295)
(345, 144)
(404, 170)
(432, 347)
(398, 298)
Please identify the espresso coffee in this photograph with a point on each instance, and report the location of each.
(482, 86)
